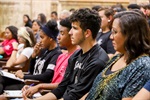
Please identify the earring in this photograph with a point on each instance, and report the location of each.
(108, 21)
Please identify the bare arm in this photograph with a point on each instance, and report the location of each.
(143, 94)
(1, 50)
(83, 98)
(32, 90)
(127, 98)
(13, 60)
(48, 96)
(48, 86)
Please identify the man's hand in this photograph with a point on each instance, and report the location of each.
(31, 91)
(25, 97)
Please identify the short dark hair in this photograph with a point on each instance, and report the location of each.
(13, 30)
(54, 12)
(66, 23)
(147, 6)
(136, 30)
(96, 8)
(88, 19)
(133, 6)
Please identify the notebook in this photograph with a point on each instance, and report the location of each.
(18, 94)
(10, 75)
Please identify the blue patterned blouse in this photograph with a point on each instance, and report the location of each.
(122, 83)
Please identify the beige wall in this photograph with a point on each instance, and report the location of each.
(12, 11)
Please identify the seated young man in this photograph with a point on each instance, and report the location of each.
(64, 40)
(85, 64)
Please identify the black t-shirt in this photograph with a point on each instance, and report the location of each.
(80, 73)
(103, 39)
(44, 65)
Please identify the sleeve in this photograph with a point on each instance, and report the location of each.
(45, 77)
(8, 48)
(27, 52)
(147, 86)
(137, 79)
(32, 63)
(110, 48)
(84, 83)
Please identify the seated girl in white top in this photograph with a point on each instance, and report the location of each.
(22, 51)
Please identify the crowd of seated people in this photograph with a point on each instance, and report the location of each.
(88, 54)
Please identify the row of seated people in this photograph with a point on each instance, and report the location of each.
(44, 64)
(44, 55)
(123, 76)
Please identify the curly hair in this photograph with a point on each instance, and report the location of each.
(88, 19)
(136, 31)
(66, 23)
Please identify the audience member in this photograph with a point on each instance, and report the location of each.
(84, 64)
(22, 52)
(64, 40)
(27, 21)
(103, 37)
(45, 55)
(42, 19)
(36, 25)
(143, 8)
(118, 8)
(72, 10)
(148, 13)
(6, 46)
(54, 15)
(64, 14)
(126, 73)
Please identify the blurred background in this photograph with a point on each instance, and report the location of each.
(12, 11)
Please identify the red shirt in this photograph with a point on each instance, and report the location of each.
(60, 68)
(7, 47)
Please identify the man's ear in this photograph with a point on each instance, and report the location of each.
(88, 33)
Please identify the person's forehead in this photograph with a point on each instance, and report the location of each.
(115, 23)
(76, 23)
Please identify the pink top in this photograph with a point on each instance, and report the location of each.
(60, 68)
(7, 46)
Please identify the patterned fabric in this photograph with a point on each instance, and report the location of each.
(123, 83)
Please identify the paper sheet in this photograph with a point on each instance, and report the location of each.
(18, 93)
(10, 75)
